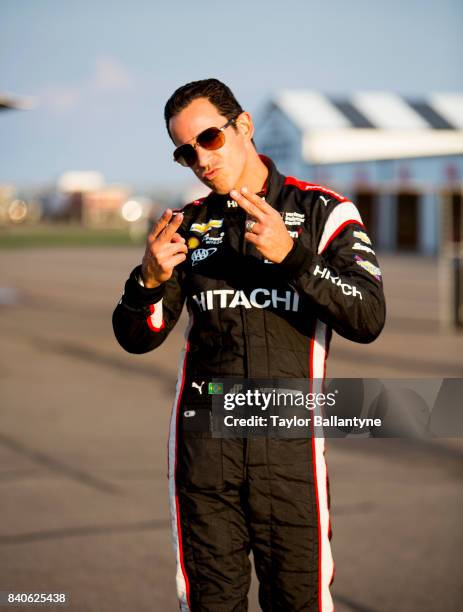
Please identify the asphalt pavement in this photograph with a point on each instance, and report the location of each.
(83, 434)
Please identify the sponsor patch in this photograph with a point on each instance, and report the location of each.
(233, 204)
(369, 267)
(295, 233)
(213, 239)
(202, 228)
(362, 236)
(293, 218)
(324, 200)
(258, 298)
(215, 388)
(193, 242)
(199, 387)
(201, 254)
(358, 246)
(346, 288)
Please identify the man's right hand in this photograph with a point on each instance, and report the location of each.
(165, 249)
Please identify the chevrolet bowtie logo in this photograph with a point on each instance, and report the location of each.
(202, 228)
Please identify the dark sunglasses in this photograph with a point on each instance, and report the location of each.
(211, 139)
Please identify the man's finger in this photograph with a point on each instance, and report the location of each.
(252, 238)
(253, 226)
(248, 206)
(256, 200)
(160, 224)
(176, 247)
(173, 226)
(172, 248)
(178, 238)
(177, 259)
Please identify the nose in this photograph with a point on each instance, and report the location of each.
(203, 156)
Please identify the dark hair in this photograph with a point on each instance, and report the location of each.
(214, 90)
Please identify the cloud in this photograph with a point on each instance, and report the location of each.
(109, 76)
(60, 98)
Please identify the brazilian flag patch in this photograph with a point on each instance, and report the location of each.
(215, 388)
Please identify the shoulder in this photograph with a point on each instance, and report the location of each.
(315, 190)
(191, 211)
(191, 206)
(330, 211)
(324, 201)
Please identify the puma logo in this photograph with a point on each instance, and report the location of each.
(324, 200)
(199, 387)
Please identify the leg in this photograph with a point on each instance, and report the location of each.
(213, 542)
(289, 524)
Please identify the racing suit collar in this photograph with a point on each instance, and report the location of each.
(271, 188)
(274, 182)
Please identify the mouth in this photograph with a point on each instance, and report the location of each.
(210, 175)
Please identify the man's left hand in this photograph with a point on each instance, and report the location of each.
(264, 226)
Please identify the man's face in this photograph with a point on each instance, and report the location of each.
(221, 169)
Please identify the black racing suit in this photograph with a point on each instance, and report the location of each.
(253, 318)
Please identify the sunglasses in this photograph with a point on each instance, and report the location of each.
(211, 139)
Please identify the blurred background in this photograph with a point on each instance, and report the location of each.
(366, 98)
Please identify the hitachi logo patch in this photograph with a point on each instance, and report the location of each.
(258, 298)
(345, 287)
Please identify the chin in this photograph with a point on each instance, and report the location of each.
(221, 187)
(221, 190)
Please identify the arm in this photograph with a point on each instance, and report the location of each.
(153, 297)
(144, 317)
(335, 271)
(341, 279)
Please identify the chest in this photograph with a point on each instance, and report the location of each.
(217, 247)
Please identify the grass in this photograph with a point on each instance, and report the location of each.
(64, 235)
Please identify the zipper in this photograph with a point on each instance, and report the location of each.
(244, 322)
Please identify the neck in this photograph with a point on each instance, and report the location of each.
(254, 175)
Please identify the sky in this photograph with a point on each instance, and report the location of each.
(100, 71)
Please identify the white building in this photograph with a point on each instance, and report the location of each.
(400, 160)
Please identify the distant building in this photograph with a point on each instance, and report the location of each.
(400, 160)
(84, 197)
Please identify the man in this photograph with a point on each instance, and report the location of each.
(267, 265)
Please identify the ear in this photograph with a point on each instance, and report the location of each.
(245, 125)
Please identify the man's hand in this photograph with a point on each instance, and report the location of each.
(268, 232)
(165, 249)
